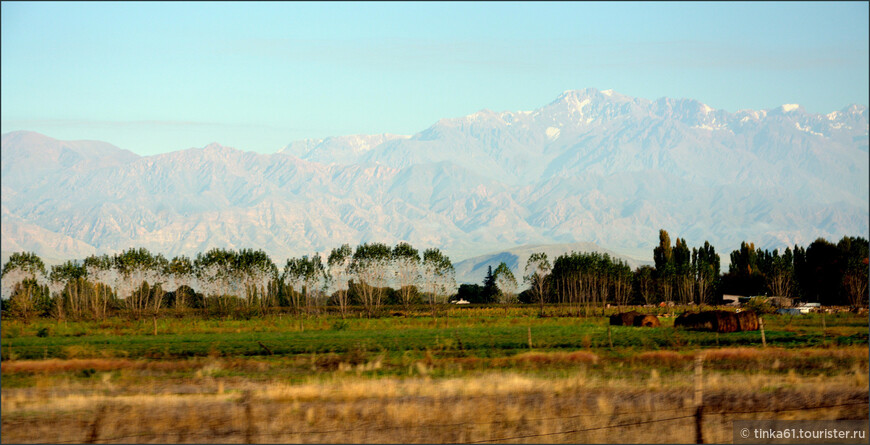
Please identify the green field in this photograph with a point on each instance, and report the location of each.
(468, 332)
(323, 373)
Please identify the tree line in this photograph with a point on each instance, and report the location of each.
(374, 274)
(225, 280)
(831, 274)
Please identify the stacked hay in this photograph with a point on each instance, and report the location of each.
(624, 318)
(647, 321)
(716, 321)
(747, 320)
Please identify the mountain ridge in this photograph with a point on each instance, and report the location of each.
(589, 167)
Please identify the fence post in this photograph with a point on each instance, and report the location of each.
(530, 337)
(94, 434)
(761, 325)
(249, 417)
(699, 399)
(609, 336)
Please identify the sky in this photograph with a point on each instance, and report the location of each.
(155, 77)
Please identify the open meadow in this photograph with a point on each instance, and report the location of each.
(475, 375)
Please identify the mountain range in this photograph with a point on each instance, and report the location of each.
(591, 167)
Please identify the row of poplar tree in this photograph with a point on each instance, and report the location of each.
(225, 280)
(831, 274)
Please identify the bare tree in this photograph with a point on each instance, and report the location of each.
(100, 272)
(406, 263)
(182, 275)
(370, 266)
(255, 269)
(438, 277)
(339, 274)
(217, 271)
(315, 280)
(294, 278)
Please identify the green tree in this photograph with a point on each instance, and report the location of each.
(216, 271)
(339, 274)
(100, 272)
(370, 266)
(683, 274)
(824, 264)
(438, 277)
(644, 283)
(705, 267)
(489, 294)
(21, 277)
(506, 283)
(406, 268)
(536, 271)
(256, 270)
(665, 267)
(855, 269)
(306, 277)
(182, 271)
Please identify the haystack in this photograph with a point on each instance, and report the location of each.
(715, 321)
(624, 318)
(747, 320)
(647, 321)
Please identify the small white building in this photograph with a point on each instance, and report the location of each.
(460, 301)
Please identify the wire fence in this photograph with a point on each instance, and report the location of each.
(249, 435)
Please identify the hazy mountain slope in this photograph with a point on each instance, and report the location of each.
(591, 166)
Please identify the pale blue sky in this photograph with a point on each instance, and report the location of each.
(157, 77)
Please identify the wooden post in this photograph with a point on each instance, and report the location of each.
(155, 324)
(530, 337)
(249, 417)
(609, 337)
(94, 434)
(699, 399)
(761, 325)
(824, 329)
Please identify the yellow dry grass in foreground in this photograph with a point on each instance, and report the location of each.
(581, 406)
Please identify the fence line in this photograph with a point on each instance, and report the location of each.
(246, 432)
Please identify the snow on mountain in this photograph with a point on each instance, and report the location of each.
(591, 166)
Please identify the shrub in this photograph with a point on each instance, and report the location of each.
(760, 305)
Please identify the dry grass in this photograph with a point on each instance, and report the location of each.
(486, 406)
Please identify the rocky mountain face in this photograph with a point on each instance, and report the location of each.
(592, 166)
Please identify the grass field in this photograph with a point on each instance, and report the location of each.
(411, 378)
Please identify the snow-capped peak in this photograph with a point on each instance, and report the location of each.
(790, 107)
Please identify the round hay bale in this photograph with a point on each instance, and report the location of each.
(747, 320)
(647, 321)
(623, 318)
(726, 321)
(713, 321)
(688, 320)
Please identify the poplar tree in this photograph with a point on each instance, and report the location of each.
(339, 274)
